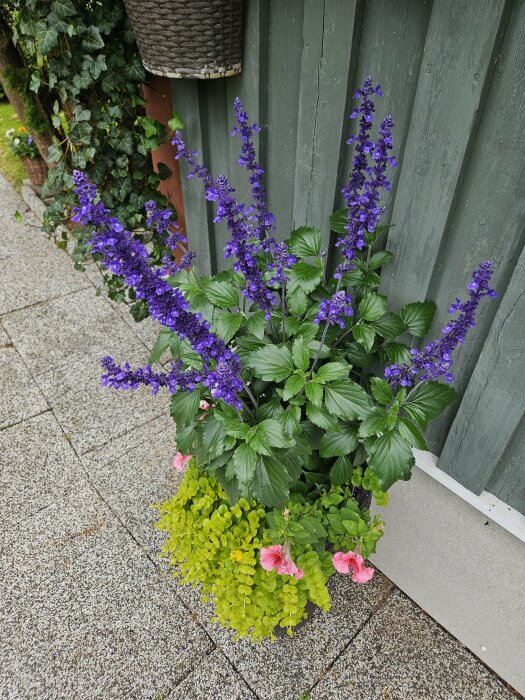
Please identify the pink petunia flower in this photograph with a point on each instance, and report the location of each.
(278, 557)
(180, 461)
(360, 573)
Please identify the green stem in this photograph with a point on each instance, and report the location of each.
(283, 308)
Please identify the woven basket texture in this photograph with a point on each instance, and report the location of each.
(36, 170)
(189, 38)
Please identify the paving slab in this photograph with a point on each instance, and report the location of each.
(213, 679)
(93, 415)
(284, 669)
(37, 467)
(20, 397)
(402, 654)
(48, 334)
(133, 472)
(106, 627)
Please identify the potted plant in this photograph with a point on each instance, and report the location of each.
(286, 428)
(22, 144)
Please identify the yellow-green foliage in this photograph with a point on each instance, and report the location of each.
(217, 545)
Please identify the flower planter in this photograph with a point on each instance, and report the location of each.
(36, 170)
(189, 38)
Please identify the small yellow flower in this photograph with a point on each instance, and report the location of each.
(22, 130)
(236, 555)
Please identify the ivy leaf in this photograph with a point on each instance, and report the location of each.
(164, 171)
(411, 433)
(341, 471)
(390, 326)
(47, 39)
(381, 390)
(339, 444)
(347, 399)
(123, 143)
(375, 423)
(226, 325)
(364, 335)
(256, 324)
(271, 482)
(391, 459)
(134, 71)
(305, 242)
(314, 393)
(373, 306)
(91, 39)
(271, 363)
(332, 370)
(63, 8)
(305, 277)
(429, 401)
(184, 406)
(175, 123)
(320, 417)
(244, 462)
(418, 317)
(293, 386)
(379, 259)
(222, 294)
(34, 83)
(300, 354)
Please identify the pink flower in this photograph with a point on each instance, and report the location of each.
(342, 563)
(180, 461)
(278, 557)
(204, 406)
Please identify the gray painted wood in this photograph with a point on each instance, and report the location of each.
(494, 403)
(507, 482)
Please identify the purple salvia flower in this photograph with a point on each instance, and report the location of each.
(124, 377)
(282, 259)
(335, 309)
(400, 375)
(435, 362)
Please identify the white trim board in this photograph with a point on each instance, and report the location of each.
(453, 554)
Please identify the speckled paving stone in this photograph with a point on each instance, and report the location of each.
(402, 654)
(93, 415)
(106, 627)
(47, 335)
(20, 397)
(284, 669)
(37, 467)
(213, 679)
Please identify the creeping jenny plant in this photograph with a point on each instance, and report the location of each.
(284, 428)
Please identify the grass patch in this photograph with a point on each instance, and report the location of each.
(10, 165)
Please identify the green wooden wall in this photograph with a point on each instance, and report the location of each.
(453, 76)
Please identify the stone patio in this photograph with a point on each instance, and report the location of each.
(87, 611)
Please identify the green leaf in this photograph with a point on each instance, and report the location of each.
(375, 423)
(300, 354)
(332, 370)
(92, 40)
(391, 459)
(379, 259)
(211, 440)
(338, 221)
(381, 390)
(314, 393)
(271, 482)
(82, 114)
(418, 317)
(347, 399)
(244, 462)
(305, 277)
(267, 434)
(320, 417)
(175, 123)
(338, 444)
(364, 335)
(162, 344)
(373, 306)
(398, 353)
(47, 39)
(234, 427)
(35, 81)
(297, 302)
(390, 326)
(293, 386)
(341, 471)
(305, 242)
(256, 324)
(429, 401)
(63, 8)
(358, 355)
(164, 171)
(17, 216)
(185, 439)
(222, 294)
(184, 406)
(411, 433)
(271, 362)
(226, 325)
(123, 143)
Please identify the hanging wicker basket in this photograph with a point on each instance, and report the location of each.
(189, 38)
(36, 170)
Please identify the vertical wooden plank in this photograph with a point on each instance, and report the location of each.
(328, 28)
(488, 220)
(456, 69)
(284, 67)
(507, 481)
(187, 101)
(494, 402)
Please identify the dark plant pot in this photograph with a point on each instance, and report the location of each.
(282, 632)
(189, 38)
(36, 170)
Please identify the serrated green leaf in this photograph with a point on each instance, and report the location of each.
(364, 335)
(184, 406)
(341, 471)
(381, 390)
(234, 427)
(300, 354)
(390, 326)
(244, 463)
(340, 443)
(293, 386)
(211, 440)
(320, 417)
(314, 393)
(305, 277)
(429, 400)
(226, 324)
(332, 370)
(305, 242)
(338, 221)
(373, 306)
(358, 355)
(391, 459)
(268, 433)
(379, 259)
(411, 433)
(162, 344)
(222, 294)
(256, 324)
(271, 482)
(185, 439)
(374, 423)
(297, 302)
(418, 317)
(398, 353)
(271, 362)
(347, 399)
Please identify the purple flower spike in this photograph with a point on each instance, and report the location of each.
(335, 309)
